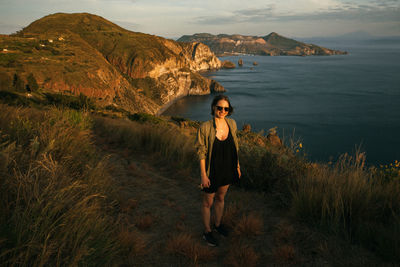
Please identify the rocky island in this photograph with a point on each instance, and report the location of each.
(73, 54)
(272, 44)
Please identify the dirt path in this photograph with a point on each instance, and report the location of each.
(161, 211)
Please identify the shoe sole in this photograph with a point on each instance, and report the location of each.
(208, 243)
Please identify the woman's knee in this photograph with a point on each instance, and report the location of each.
(220, 195)
(208, 202)
(220, 198)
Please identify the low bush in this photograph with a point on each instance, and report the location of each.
(78, 103)
(145, 117)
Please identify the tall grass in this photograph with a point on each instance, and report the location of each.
(268, 168)
(55, 192)
(347, 198)
(353, 201)
(164, 139)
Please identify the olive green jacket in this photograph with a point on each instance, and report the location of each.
(205, 140)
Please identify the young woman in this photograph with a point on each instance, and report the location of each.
(217, 148)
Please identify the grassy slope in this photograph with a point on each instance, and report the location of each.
(70, 61)
(143, 199)
(95, 57)
(132, 53)
(103, 35)
(80, 59)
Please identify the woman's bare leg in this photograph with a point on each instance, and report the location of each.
(208, 200)
(219, 203)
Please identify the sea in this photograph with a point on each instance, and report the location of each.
(331, 104)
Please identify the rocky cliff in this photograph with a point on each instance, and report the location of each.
(269, 45)
(84, 53)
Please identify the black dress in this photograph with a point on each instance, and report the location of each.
(223, 166)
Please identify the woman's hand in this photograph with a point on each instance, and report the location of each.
(205, 181)
(239, 172)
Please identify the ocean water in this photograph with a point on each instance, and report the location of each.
(332, 104)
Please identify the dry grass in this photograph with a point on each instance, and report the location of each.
(350, 200)
(241, 256)
(249, 225)
(285, 254)
(144, 222)
(55, 192)
(284, 232)
(231, 213)
(129, 205)
(184, 244)
(133, 243)
(163, 140)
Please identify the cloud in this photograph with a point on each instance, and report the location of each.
(238, 16)
(382, 11)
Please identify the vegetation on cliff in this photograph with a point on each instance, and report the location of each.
(84, 53)
(272, 44)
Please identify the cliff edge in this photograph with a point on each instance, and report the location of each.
(85, 53)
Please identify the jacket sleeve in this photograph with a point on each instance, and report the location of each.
(201, 146)
(234, 132)
(234, 126)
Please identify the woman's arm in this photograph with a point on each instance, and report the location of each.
(205, 181)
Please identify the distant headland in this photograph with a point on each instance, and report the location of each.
(272, 44)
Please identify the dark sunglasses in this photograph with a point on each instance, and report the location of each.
(222, 108)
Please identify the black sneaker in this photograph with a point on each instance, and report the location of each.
(211, 240)
(222, 230)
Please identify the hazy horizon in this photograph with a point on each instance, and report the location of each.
(172, 19)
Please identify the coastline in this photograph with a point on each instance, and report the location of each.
(167, 105)
(344, 109)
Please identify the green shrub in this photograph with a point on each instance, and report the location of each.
(145, 117)
(187, 122)
(18, 83)
(16, 99)
(78, 103)
(32, 83)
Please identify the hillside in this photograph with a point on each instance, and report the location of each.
(83, 190)
(84, 53)
(269, 45)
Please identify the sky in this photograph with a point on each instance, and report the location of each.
(172, 19)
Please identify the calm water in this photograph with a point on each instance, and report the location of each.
(333, 104)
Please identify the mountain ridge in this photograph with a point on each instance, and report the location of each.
(272, 44)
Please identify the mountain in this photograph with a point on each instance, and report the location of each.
(85, 53)
(270, 45)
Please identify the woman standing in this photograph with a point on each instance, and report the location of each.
(217, 148)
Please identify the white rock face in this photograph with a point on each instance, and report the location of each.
(176, 76)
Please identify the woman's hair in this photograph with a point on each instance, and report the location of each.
(217, 99)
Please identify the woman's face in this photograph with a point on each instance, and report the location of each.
(221, 109)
